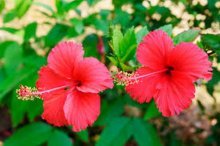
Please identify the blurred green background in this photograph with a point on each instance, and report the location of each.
(29, 29)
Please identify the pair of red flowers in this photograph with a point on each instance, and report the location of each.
(69, 84)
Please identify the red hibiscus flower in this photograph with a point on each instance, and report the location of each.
(69, 86)
(168, 72)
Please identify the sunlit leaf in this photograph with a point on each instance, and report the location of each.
(12, 58)
(30, 31)
(141, 33)
(167, 28)
(124, 47)
(21, 7)
(45, 6)
(212, 41)
(9, 16)
(72, 5)
(117, 37)
(186, 36)
(128, 45)
(9, 29)
(78, 25)
(90, 45)
(56, 34)
(2, 5)
(12, 80)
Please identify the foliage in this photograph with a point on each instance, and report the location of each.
(121, 31)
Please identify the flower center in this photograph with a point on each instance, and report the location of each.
(169, 70)
(78, 83)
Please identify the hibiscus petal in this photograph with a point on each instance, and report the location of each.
(144, 89)
(48, 79)
(190, 59)
(174, 94)
(53, 102)
(81, 109)
(93, 75)
(153, 50)
(53, 108)
(64, 58)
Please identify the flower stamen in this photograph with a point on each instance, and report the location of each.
(28, 93)
(124, 78)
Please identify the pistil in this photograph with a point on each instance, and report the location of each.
(124, 78)
(28, 93)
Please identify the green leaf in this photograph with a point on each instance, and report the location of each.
(47, 7)
(72, 5)
(141, 33)
(174, 140)
(117, 37)
(78, 25)
(2, 77)
(111, 110)
(113, 60)
(101, 25)
(92, 2)
(59, 138)
(122, 18)
(212, 4)
(34, 61)
(117, 132)
(32, 114)
(30, 135)
(201, 106)
(21, 7)
(129, 101)
(118, 3)
(2, 5)
(60, 6)
(167, 28)
(128, 45)
(12, 58)
(64, 6)
(20, 108)
(9, 16)
(12, 80)
(212, 41)
(151, 111)
(4, 46)
(56, 34)
(214, 81)
(30, 31)
(83, 135)
(9, 29)
(124, 47)
(186, 36)
(90, 45)
(144, 133)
